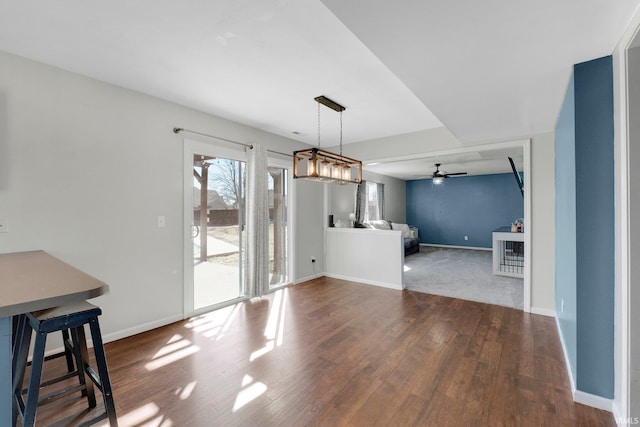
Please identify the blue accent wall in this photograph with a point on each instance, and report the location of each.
(595, 218)
(470, 206)
(585, 226)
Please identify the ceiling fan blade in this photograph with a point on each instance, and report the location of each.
(455, 174)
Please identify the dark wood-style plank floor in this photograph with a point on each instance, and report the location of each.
(331, 353)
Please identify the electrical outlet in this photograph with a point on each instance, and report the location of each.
(313, 259)
(161, 221)
(466, 237)
(4, 225)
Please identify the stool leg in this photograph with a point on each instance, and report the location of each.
(34, 381)
(103, 371)
(19, 363)
(68, 354)
(82, 360)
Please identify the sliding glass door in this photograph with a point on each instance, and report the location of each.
(216, 228)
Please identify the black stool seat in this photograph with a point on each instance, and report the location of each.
(71, 318)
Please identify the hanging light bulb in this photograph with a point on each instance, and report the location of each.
(325, 168)
(336, 171)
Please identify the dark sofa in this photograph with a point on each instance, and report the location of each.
(411, 245)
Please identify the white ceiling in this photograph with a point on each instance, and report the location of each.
(472, 162)
(258, 62)
(487, 69)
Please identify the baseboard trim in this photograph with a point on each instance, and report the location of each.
(593, 400)
(581, 396)
(114, 336)
(307, 278)
(475, 248)
(124, 333)
(543, 311)
(365, 281)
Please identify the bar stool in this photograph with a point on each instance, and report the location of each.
(70, 317)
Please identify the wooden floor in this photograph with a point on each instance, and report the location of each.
(332, 353)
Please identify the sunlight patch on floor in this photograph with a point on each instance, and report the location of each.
(251, 390)
(264, 350)
(145, 416)
(185, 392)
(274, 330)
(406, 268)
(214, 324)
(177, 348)
(177, 342)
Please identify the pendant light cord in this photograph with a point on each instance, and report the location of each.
(341, 133)
(318, 125)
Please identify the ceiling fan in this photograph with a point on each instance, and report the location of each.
(438, 177)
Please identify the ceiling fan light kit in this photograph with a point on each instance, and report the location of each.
(316, 164)
(439, 177)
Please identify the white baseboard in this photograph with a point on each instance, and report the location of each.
(593, 400)
(306, 279)
(543, 311)
(113, 336)
(365, 281)
(124, 333)
(475, 248)
(580, 396)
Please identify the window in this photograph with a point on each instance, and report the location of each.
(372, 210)
(370, 201)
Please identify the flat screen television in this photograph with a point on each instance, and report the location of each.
(517, 175)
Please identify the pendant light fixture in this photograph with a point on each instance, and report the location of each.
(320, 165)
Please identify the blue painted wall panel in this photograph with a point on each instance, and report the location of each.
(595, 218)
(470, 206)
(585, 221)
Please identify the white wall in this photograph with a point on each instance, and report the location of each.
(543, 223)
(342, 198)
(85, 170)
(375, 257)
(309, 233)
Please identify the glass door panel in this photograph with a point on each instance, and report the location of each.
(278, 226)
(218, 230)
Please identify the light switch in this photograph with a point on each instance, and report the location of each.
(4, 225)
(161, 221)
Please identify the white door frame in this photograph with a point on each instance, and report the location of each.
(525, 144)
(288, 165)
(622, 331)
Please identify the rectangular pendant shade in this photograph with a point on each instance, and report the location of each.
(324, 166)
